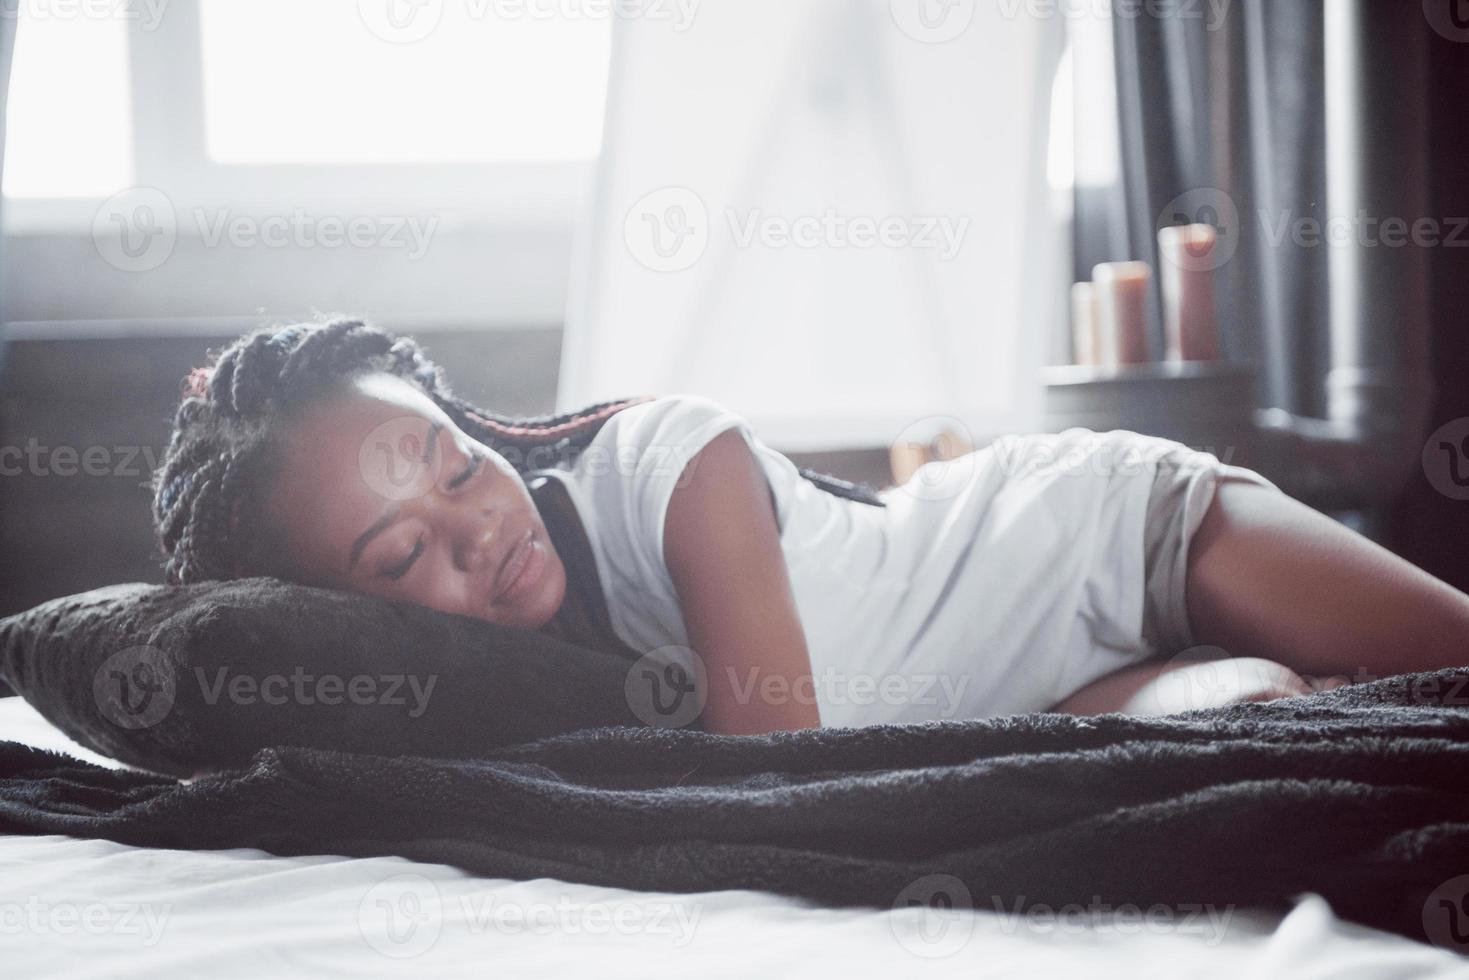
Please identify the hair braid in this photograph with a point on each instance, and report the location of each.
(209, 491)
(200, 523)
(523, 441)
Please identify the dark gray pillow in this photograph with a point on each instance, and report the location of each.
(179, 679)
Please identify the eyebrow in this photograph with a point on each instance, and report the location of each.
(391, 514)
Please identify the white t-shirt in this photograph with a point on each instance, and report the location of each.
(990, 585)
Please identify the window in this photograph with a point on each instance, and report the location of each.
(1083, 143)
(497, 107)
(310, 83)
(477, 123)
(67, 135)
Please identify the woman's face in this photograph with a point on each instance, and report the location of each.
(379, 492)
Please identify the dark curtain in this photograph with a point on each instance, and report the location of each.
(1429, 528)
(1235, 106)
(1241, 106)
(7, 49)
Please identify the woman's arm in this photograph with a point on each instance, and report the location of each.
(721, 543)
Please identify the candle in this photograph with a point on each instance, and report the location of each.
(1186, 270)
(1085, 342)
(1122, 303)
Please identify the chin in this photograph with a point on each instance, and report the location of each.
(540, 610)
(555, 594)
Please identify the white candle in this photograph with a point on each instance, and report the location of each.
(1084, 340)
(1122, 304)
(1187, 259)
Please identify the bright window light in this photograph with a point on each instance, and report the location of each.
(287, 82)
(1095, 152)
(1061, 155)
(68, 130)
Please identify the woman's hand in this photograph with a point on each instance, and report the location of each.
(721, 543)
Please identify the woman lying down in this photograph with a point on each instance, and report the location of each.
(1081, 572)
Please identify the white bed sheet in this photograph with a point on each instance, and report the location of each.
(84, 908)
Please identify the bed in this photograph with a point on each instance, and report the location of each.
(73, 908)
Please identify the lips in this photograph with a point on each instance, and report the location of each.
(513, 564)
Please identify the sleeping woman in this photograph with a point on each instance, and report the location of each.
(1081, 572)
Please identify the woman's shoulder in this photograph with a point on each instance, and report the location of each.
(625, 476)
(672, 414)
(650, 436)
(670, 426)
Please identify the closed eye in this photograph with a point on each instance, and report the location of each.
(476, 460)
(401, 569)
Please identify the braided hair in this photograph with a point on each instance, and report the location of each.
(210, 488)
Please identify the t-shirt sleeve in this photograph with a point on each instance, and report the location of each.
(653, 446)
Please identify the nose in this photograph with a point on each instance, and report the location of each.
(476, 538)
